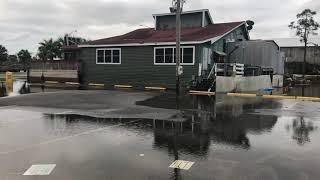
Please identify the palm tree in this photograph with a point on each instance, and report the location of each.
(25, 58)
(50, 49)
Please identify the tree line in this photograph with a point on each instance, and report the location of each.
(20, 61)
(48, 50)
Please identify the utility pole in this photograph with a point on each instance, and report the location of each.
(178, 38)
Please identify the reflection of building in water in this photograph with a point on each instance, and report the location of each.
(25, 88)
(203, 126)
(3, 90)
(18, 87)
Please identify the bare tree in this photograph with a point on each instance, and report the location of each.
(305, 26)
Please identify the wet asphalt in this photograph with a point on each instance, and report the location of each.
(136, 135)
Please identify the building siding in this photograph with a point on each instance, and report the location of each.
(294, 57)
(260, 53)
(207, 20)
(296, 54)
(187, 20)
(137, 68)
(236, 35)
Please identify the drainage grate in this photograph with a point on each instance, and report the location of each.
(179, 164)
(40, 170)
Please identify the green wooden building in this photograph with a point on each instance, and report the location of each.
(146, 57)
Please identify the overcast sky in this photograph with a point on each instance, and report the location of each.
(24, 23)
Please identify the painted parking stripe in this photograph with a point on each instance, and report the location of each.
(180, 164)
(72, 83)
(52, 82)
(94, 84)
(123, 86)
(155, 88)
(40, 170)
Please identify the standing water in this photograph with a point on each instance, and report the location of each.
(19, 87)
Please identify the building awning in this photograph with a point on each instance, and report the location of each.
(220, 53)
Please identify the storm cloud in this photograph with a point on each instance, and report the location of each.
(24, 23)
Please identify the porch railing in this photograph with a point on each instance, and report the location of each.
(229, 69)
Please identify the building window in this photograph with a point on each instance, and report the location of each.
(188, 55)
(159, 55)
(167, 55)
(108, 56)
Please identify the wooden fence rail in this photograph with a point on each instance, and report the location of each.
(56, 65)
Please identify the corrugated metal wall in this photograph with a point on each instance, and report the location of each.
(296, 54)
(265, 54)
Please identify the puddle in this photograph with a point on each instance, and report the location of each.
(19, 87)
(219, 134)
(144, 133)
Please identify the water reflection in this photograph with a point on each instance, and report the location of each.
(203, 127)
(18, 87)
(3, 90)
(301, 130)
(224, 131)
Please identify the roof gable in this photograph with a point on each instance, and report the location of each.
(206, 13)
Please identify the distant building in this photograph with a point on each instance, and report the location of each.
(293, 50)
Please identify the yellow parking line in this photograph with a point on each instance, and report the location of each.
(278, 97)
(52, 82)
(93, 84)
(155, 88)
(241, 95)
(308, 98)
(72, 83)
(275, 96)
(206, 93)
(123, 86)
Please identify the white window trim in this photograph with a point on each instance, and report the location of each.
(164, 47)
(104, 55)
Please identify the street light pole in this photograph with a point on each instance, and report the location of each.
(178, 38)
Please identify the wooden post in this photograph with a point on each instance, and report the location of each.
(178, 38)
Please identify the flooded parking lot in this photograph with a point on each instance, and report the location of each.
(138, 135)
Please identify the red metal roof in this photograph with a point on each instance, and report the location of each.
(150, 35)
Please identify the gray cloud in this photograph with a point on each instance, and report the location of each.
(24, 23)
